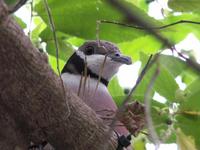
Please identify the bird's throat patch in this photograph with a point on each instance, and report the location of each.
(76, 65)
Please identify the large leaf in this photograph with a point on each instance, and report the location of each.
(189, 124)
(184, 142)
(185, 5)
(174, 65)
(188, 118)
(65, 49)
(189, 75)
(78, 18)
(192, 103)
(178, 32)
(53, 63)
(193, 87)
(116, 91)
(40, 26)
(139, 142)
(162, 121)
(10, 2)
(143, 4)
(135, 47)
(20, 22)
(165, 83)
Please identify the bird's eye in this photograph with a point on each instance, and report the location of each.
(117, 54)
(89, 50)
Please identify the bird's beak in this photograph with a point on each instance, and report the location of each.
(121, 58)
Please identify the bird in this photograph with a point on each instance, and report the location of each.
(88, 72)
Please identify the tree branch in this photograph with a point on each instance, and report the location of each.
(132, 17)
(151, 130)
(122, 108)
(19, 4)
(156, 27)
(32, 94)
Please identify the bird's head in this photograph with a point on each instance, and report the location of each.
(101, 57)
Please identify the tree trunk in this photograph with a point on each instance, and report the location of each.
(33, 104)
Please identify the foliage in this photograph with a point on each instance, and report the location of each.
(10, 2)
(176, 120)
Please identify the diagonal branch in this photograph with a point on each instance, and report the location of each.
(132, 17)
(52, 25)
(126, 100)
(152, 133)
(19, 4)
(33, 95)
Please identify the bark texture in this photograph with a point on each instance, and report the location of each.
(33, 104)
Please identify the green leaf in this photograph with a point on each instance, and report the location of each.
(40, 26)
(135, 47)
(47, 35)
(165, 83)
(173, 64)
(142, 87)
(10, 2)
(185, 142)
(139, 142)
(53, 63)
(188, 118)
(78, 18)
(189, 75)
(161, 121)
(178, 32)
(192, 103)
(185, 5)
(114, 88)
(159, 116)
(189, 124)
(65, 49)
(20, 22)
(116, 91)
(193, 87)
(143, 4)
(180, 95)
(75, 41)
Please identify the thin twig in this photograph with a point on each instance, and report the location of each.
(97, 32)
(17, 6)
(142, 28)
(191, 63)
(120, 109)
(80, 84)
(31, 17)
(100, 73)
(52, 26)
(131, 16)
(152, 133)
(177, 22)
(88, 87)
(140, 77)
(85, 75)
(143, 132)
